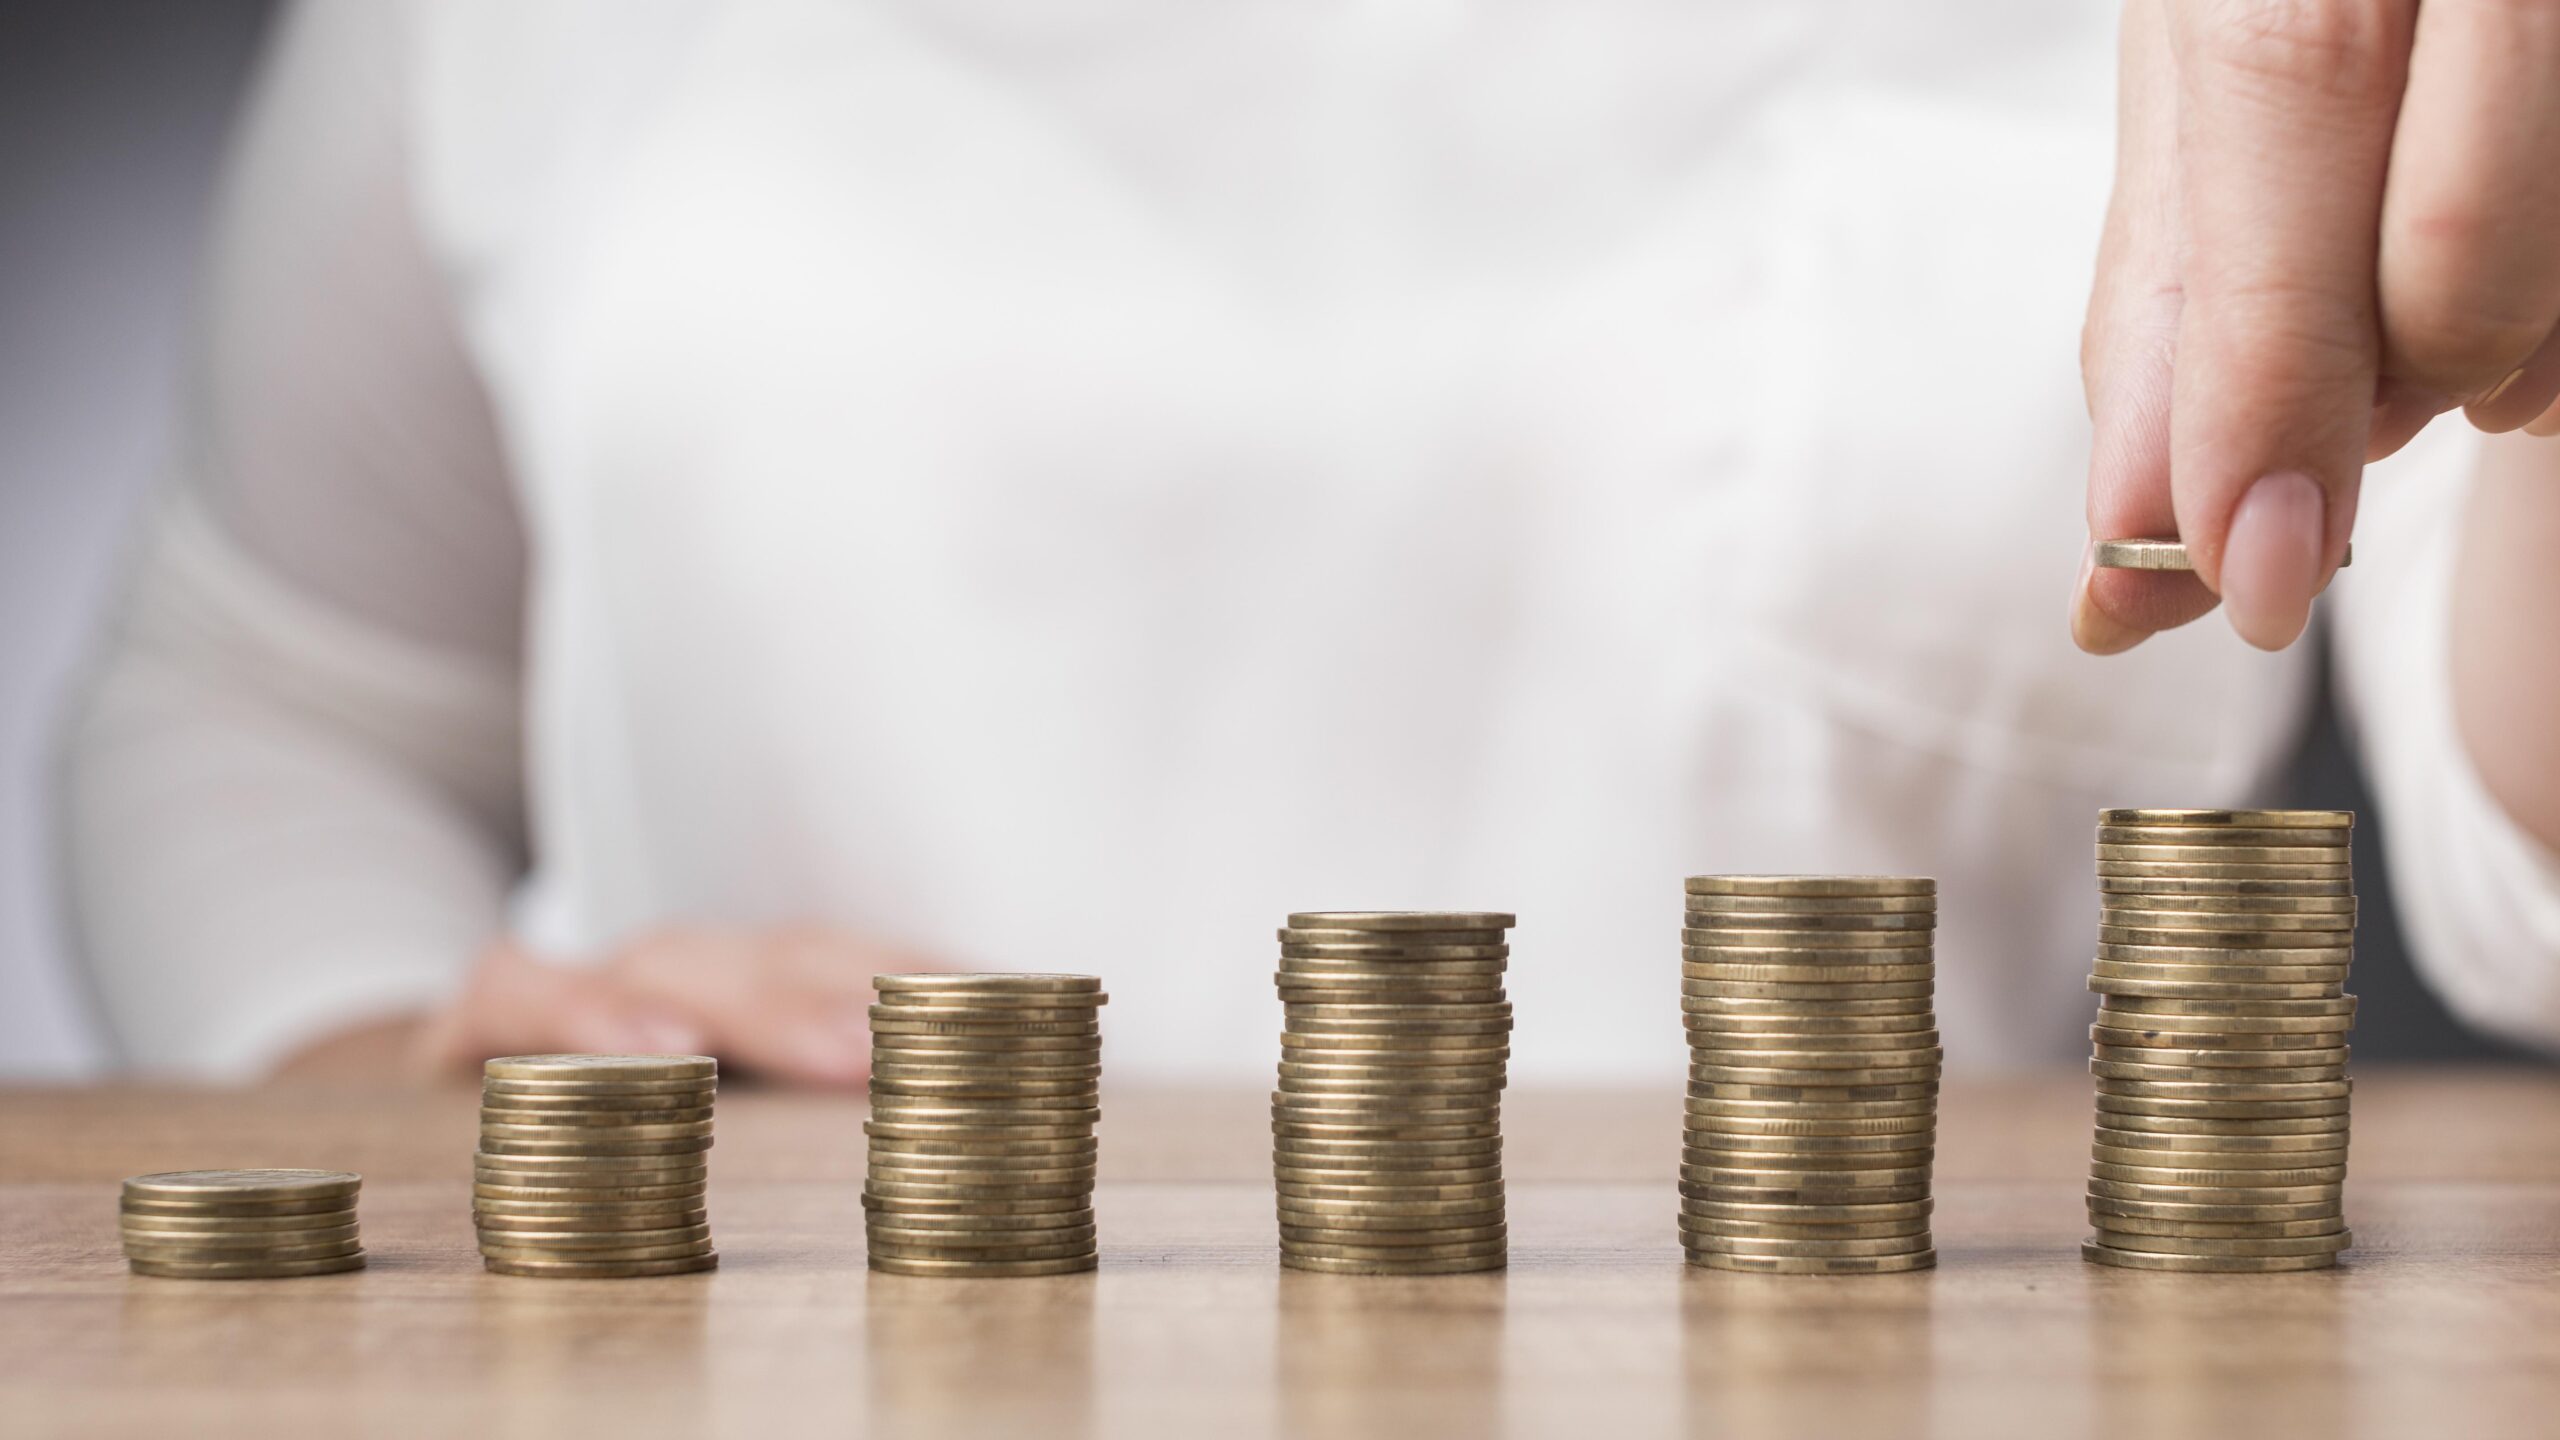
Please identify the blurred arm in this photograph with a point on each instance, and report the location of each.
(293, 792)
(2452, 682)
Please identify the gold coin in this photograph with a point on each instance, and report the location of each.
(208, 1244)
(2331, 1008)
(1884, 1032)
(2121, 1070)
(485, 1218)
(499, 1148)
(1418, 1133)
(2236, 1043)
(1811, 886)
(1418, 1109)
(151, 1252)
(1701, 927)
(1843, 1246)
(2206, 836)
(561, 1122)
(1784, 937)
(883, 1228)
(215, 1209)
(2140, 914)
(1762, 1177)
(1389, 1195)
(888, 1175)
(1376, 1212)
(2214, 1194)
(1401, 920)
(586, 1069)
(1323, 1266)
(2225, 1149)
(2225, 870)
(1373, 994)
(2152, 888)
(2268, 964)
(1456, 1173)
(1855, 905)
(969, 984)
(2328, 1210)
(1770, 1076)
(996, 1119)
(236, 1224)
(984, 1089)
(1892, 1012)
(2219, 854)
(2233, 819)
(2205, 1230)
(1329, 935)
(599, 1270)
(1919, 1055)
(240, 1187)
(1389, 954)
(2106, 969)
(962, 1228)
(2219, 1179)
(1394, 1044)
(584, 1171)
(1019, 1020)
(1724, 1108)
(911, 1208)
(595, 1134)
(2221, 1109)
(1786, 1230)
(1812, 994)
(246, 1269)
(2198, 990)
(2255, 1264)
(2234, 912)
(1390, 1165)
(961, 1045)
(989, 1073)
(1750, 972)
(982, 1270)
(1389, 1237)
(1807, 1198)
(994, 1009)
(1813, 1094)
(1399, 1254)
(485, 1192)
(2258, 947)
(919, 1190)
(1705, 1157)
(975, 1169)
(890, 1247)
(600, 1237)
(894, 1023)
(1395, 1060)
(1814, 1264)
(597, 1108)
(909, 1145)
(1777, 1128)
(599, 1093)
(2149, 1243)
(1388, 1088)
(2226, 1127)
(1760, 1041)
(1704, 1138)
(2147, 1157)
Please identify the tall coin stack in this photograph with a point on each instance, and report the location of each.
(2221, 1042)
(984, 1094)
(1813, 1073)
(594, 1166)
(1387, 1126)
(241, 1224)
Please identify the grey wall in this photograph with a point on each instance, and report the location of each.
(112, 115)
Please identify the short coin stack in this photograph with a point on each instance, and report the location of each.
(2221, 1042)
(1387, 1126)
(241, 1224)
(1813, 1073)
(594, 1166)
(984, 1094)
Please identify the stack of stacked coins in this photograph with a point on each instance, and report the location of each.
(1387, 1127)
(984, 1094)
(241, 1224)
(1813, 1073)
(594, 1166)
(2221, 1042)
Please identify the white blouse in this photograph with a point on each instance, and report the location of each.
(1062, 485)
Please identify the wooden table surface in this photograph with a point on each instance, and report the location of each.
(2444, 1321)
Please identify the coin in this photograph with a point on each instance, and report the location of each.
(1815, 1265)
(1392, 1239)
(1844, 1246)
(1707, 1139)
(263, 1245)
(1809, 886)
(2208, 835)
(489, 1219)
(2139, 1260)
(2211, 1213)
(1814, 1111)
(147, 1252)
(1817, 993)
(2263, 1161)
(1326, 1266)
(2238, 1043)
(963, 1228)
(246, 1269)
(599, 1270)
(1765, 1230)
(970, 986)
(1804, 974)
(599, 1109)
(2220, 854)
(584, 1069)
(2233, 819)
(981, 1269)
(2120, 1070)
(2152, 888)
(2148, 1243)
(2221, 1144)
(243, 1186)
(237, 1224)
(1337, 935)
(1782, 936)
(2217, 870)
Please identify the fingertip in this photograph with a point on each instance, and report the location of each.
(2272, 559)
(2093, 629)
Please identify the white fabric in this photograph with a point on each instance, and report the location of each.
(1064, 485)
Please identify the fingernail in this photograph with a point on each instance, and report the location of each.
(2490, 395)
(2093, 629)
(2271, 560)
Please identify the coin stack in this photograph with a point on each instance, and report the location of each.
(1813, 1073)
(594, 1166)
(984, 1094)
(2221, 1042)
(1387, 1127)
(241, 1224)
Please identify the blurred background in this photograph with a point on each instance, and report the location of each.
(113, 115)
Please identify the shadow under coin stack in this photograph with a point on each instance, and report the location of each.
(1813, 1073)
(984, 1094)
(241, 1224)
(2221, 1042)
(594, 1166)
(1387, 1127)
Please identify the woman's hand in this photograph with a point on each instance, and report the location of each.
(790, 1004)
(2333, 221)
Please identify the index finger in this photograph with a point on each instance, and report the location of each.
(2286, 110)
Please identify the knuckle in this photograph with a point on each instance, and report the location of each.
(2351, 49)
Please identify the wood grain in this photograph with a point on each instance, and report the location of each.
(2446, 1320)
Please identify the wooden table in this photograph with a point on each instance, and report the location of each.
(2445, 1321)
